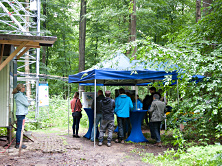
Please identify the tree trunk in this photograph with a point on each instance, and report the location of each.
(206, 3)
(198, 10)
(133, 27)
(82, 38)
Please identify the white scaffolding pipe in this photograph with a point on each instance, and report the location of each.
(37, 61)
(13, 18)
(68, 109)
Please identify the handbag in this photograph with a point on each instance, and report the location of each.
(76, 114)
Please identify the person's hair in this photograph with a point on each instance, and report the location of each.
(17, 89)
(76, 94)
(107, 93)
(121, 91)
(153, 88)
(137, 95)
(156, 96)
(100, 92)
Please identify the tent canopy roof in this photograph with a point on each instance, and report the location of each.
(121, 71)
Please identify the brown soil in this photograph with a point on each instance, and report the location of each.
(60, 149)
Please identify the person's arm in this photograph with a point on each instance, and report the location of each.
(152, 107)
(113, 104)
(92, 106)
(79, 104)
(23, 100)
(71, 105)
(141, 105)
(116, 106)
(130, 104)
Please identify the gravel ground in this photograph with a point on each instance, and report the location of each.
(60, 149)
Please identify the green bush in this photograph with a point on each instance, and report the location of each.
(203, 155)
(54, 115)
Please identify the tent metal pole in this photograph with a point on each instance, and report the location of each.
(68, 109)
(177, 94)
(94, 113)
(165, 101)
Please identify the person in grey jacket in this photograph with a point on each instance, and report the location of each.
(21, 110)
(157, 116)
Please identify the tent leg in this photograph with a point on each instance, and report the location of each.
(68, 110)
(178, 98)
(94, 113)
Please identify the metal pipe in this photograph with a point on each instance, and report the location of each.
(178, 98)
(94, 113)
(37, 60)
(68, 109)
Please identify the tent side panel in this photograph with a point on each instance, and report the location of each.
(4, 96)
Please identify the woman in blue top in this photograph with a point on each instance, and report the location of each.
(139, 104)
(21, 110)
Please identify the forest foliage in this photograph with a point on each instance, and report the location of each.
(167, 31)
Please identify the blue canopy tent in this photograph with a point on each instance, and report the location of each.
(120, 71)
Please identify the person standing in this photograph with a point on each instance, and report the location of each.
(98, 112)
(146, 106)
(157, 116)
(123, 106)
(139, 104)
(107, 122)
(21, 111)
(76, 114)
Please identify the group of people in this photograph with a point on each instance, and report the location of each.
(106, 107)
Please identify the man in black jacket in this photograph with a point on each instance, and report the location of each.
(98, 112)
(107, 122)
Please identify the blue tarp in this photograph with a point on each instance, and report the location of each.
(121, 71)
(116, 77)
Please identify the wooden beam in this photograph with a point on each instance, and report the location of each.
(4, 63)
(2, 51)
(18, 43)
(22, 53)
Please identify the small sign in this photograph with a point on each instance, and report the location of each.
(43, 94)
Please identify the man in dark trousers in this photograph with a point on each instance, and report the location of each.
(146, 105)
(98, 112)
(123, 106)
(107, 122)
(157, 116)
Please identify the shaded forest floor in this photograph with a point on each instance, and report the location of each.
(58, 148)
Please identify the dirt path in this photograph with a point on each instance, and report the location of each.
(60, 149)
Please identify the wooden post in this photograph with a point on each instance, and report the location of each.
(21, 139)
(2, 51)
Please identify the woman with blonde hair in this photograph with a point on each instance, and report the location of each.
(76, 113)
(21, 110)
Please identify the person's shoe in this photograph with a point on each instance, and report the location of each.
(117, 141)
(73, 135)
(122, 142)
(77, 136)
(100, 143)
(109, 144)
(23, 146)
(159, 144)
